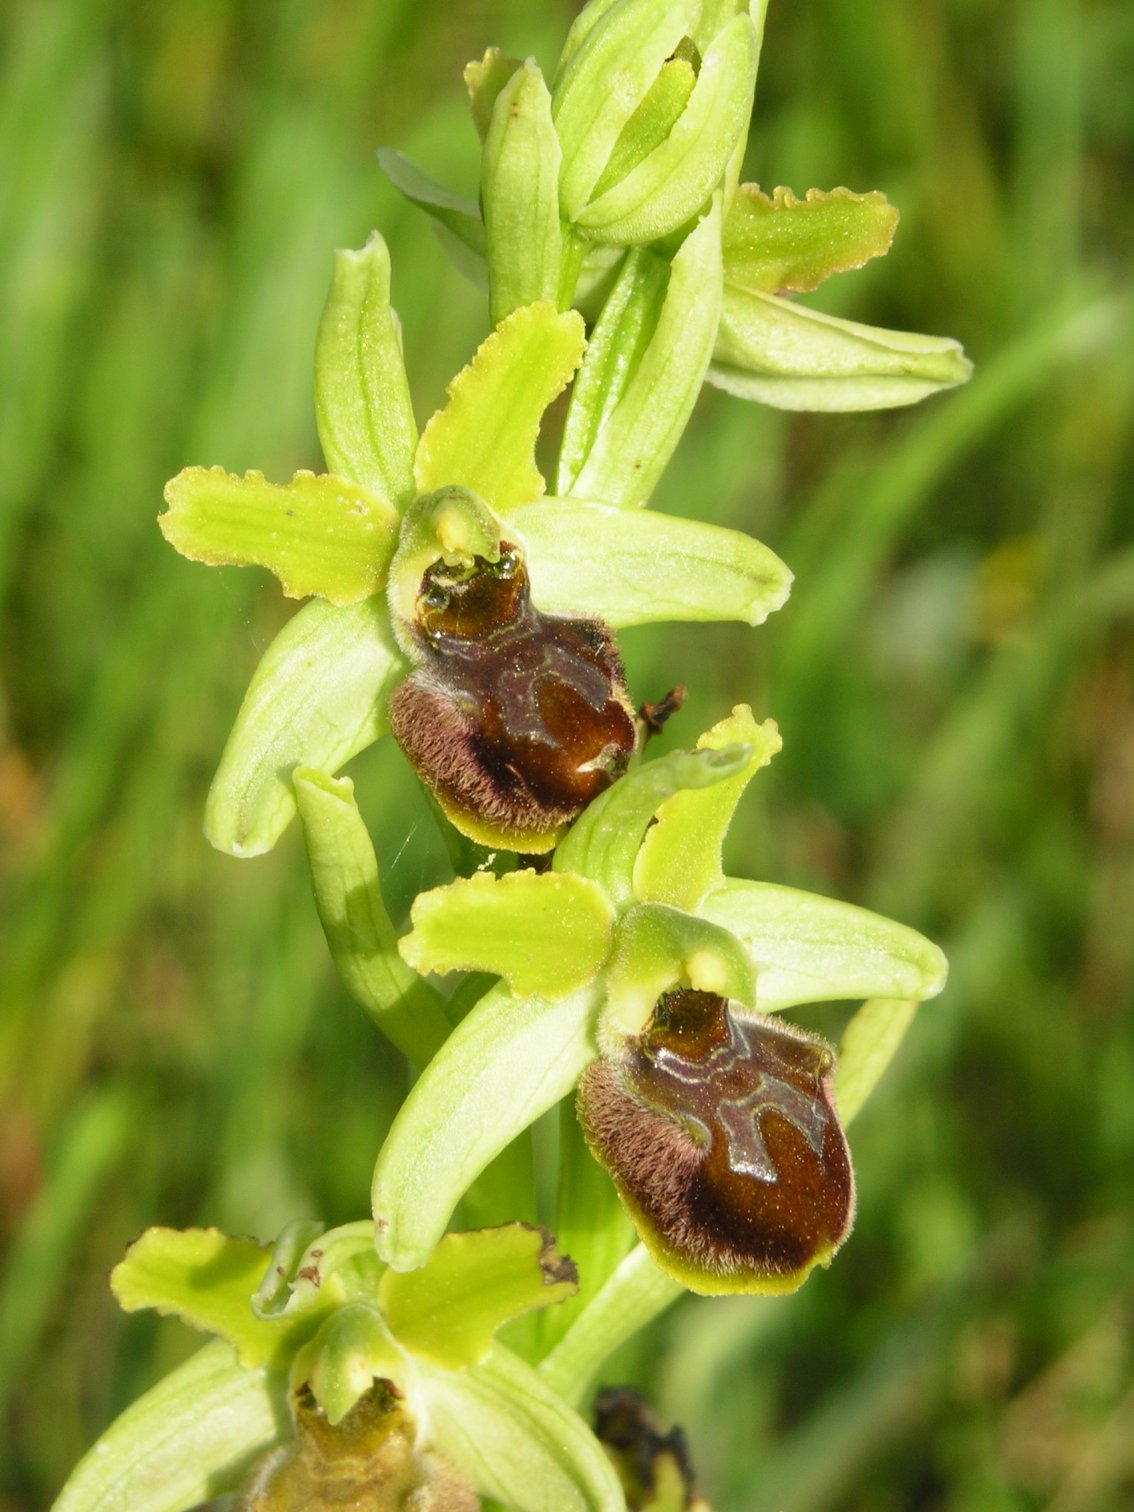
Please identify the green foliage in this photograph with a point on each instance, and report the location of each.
(954, 686)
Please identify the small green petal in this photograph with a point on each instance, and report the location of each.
(187, 1440)
(319, 534)
(506, 1063)
(484, 79)
(780, 353)
(870, 1041)
(603, 842)
(637, 437)
(610, 63)
(363, 944)
(783, 244)
(636, 567)
(655, 117)
(452, 213)
(472, 1284)
(676, 179)
(362, 400)
(485, 436)
(516, 1440)
(318, 697)
(547, 935)
(808, 949)
(659, 949)
(680, 859)
(207, 1280)
(520, 195)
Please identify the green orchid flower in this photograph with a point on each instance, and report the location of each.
(407, 535)
(332, 1376)
(635, 970)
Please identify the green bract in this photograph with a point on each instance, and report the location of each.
(322, 690)
(645, 858)
(320, 1317)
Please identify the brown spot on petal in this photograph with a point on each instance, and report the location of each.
(720, 1134)
(516, 719)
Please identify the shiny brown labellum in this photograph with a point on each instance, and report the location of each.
(721, 1136)
(516, 719)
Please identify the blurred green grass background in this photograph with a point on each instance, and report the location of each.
(953, 676)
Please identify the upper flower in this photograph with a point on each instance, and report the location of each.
(453, 601)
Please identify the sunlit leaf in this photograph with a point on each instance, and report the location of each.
(780, 243)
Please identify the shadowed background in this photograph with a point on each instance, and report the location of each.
(953, 676)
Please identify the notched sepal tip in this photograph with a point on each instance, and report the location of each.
(720, 1134)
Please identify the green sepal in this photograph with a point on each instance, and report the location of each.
(189, 1439)
(870, 1042)
(677, 178)
(471, 1285)
(319, 534)
(363, 408)
(484, 79)
(680, 859)
(659, 949)
(637, 567)
(655, 117)
(318, 697)
(603, 842)
(451, 525)
(545, 934)
(516, 1440)
(485, 436)
(636, 438)
(777, 352)
(452, 213)
(506, 1063)
(207, 1280)
(610, 64)
(519, 191)
(360, 934)
(782, 244)
(808, 949)
(340, 1364)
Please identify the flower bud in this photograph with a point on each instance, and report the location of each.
(516, 719)
(719, 1131)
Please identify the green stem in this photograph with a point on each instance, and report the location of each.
(633, 1296)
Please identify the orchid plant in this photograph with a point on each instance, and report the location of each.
(591, 956)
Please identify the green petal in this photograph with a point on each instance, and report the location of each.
(808, 949)
(516, 1440)
(869, 1044)
(610, 62)
(680, 859)
(547, 935)
(655, 117)
(659, 949)
(207, 1280)
(448, 1311)
(318, 697)
(319, 535)
(453, 213)
(363, 943)
(676, 179)
(509, 1061)
(485, 436)
(362, 399)
(603, 842)
(636, 567)
(520, 195)
(187, 1440)
(312, 1269)
(780, 353)
(484, 79)
(783, 244)
(636, 437)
